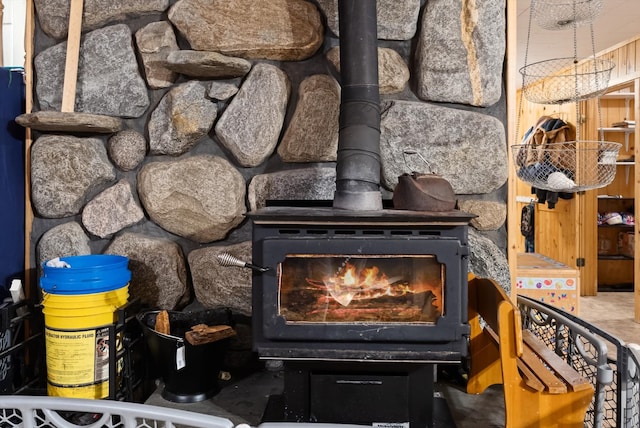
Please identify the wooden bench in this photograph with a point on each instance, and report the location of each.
(540, 388)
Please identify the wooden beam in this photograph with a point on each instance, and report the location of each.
(29, 32)
(511, 72)
(73, 55)
(636, 193)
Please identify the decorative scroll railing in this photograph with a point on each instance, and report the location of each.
(612, 366)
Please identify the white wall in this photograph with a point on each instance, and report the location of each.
(13, 24)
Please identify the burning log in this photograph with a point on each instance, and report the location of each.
(202, 333)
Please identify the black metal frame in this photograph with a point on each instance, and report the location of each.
(128, 377)
(25, 357)
(278, 231)
(612, 366)
(362, 393)
(128, 369)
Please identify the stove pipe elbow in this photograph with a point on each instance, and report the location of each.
(358, 163)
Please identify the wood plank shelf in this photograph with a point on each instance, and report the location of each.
(615, 257)
(628, 130)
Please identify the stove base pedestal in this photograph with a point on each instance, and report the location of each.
(392, 394)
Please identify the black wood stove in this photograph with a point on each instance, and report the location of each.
(359, 301)
(360, 305)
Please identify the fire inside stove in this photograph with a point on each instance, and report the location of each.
(361, 289)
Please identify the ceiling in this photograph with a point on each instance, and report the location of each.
(619, 20)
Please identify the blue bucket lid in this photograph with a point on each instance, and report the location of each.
(92, 273)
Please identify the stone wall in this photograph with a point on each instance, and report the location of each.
(227, 104)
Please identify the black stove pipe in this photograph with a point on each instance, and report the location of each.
(358, 164)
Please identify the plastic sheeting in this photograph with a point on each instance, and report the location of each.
(12, 176)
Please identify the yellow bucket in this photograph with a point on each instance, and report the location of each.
(77, 328)
(73, 311)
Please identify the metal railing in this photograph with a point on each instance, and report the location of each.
(611, 365)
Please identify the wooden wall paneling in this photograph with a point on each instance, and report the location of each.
(547, 238)
(621, 63)
(586, 205)
(554, 226)
(616, 73)
(513, 227)
(556, 233)
(588, 239)
(628, 62)
(636, 228)
(626, 59)
(637, 56)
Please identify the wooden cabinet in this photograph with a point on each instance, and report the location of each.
(548, 280)
(615, 216)
(615, 242)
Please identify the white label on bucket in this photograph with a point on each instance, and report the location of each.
(180, 360)
(71, 356)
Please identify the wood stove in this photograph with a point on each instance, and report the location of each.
(344, 285)
(354, 299)
(358, 301)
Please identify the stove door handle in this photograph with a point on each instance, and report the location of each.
(226, 259)
(256, 267)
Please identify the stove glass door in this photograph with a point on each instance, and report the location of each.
(321, 288)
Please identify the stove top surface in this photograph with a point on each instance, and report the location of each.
(315, 214)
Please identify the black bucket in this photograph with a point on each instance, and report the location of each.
(189, 372)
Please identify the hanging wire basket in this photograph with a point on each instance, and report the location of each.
(563, 14)
(562, 80)
(569, 167)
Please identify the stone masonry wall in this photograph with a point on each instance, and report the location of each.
(227, 104)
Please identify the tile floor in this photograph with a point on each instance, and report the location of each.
(612, 312)
(245, 401)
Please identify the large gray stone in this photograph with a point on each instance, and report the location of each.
(67, 239)
(286, 30)
(488, 261)
(65, 172)
(461, 51)
(312, 135)
(468, 149)
(222, 91)
(158, 270)
(491, 215)
(112, 210)
(200, 198)
(314, 183)
(53, 15)
(181, 119)
(250, 126)
(109, 81)
(397, 19)
(218, 286)
(201, 64)
(127, 149)
(155, 42)
(393, 72)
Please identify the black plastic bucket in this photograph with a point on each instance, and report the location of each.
(189, 372)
